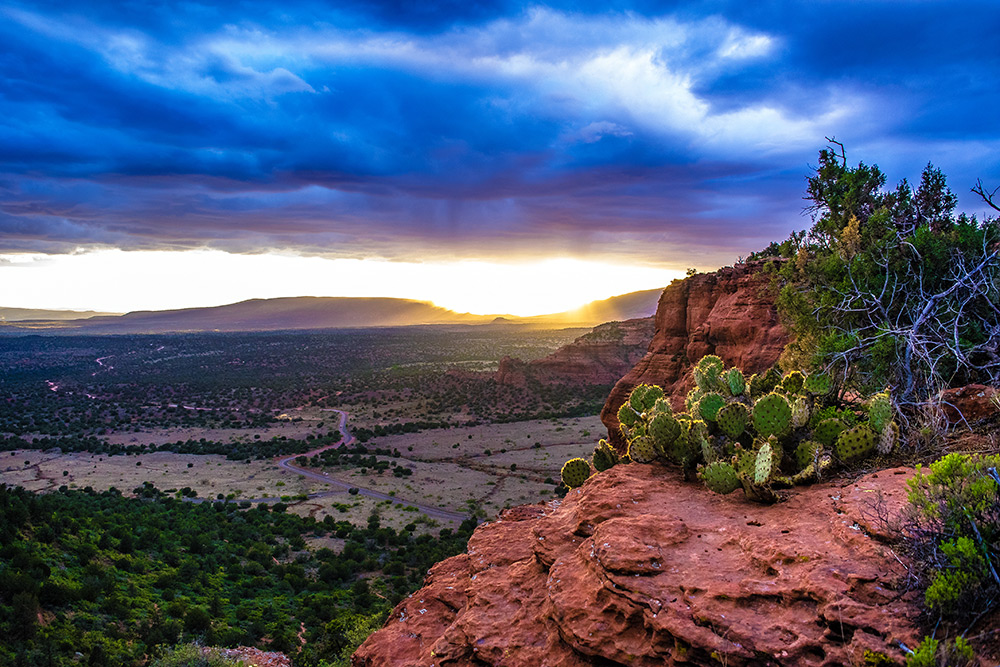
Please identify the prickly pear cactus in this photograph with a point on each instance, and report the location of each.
(664, 429)
(807, 453)
(733, 419)
(605, 456)
(641, 450)
(772, 415)
(720, 477)
(880, 411)
(801, 411)
(735, 440)
(746, 462)
(735, 381)
(817, 384)
(662, 406)
(827, 431)
(761, 384)
(855, 443)
(804, 476)
(709, 454)
(644, 397)
(707, 372)
(575, 472)
(710, 404)
(686, 449)
(627, 417)
(792, 382)
(764, 464)
(889, 438)
(691, 400)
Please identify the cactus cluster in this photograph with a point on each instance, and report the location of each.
(759, 433)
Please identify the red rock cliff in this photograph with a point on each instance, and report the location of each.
(599, 357)
(640, 568)
(730, 312)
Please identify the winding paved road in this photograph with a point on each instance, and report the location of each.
(346, 439)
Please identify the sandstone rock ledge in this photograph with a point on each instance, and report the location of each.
(639, 568)
(730, 312)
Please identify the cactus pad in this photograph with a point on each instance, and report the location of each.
(644, 397)
(664, 429)
(772, 415)
(764, 464)
(745, 461)
(627, 416)
(801, 411)
(605, 456)
(575, 472)
(662, 406)
(641, 450)
(709, 405)
(807, 453)
(827, 431)
(707, 372)
(807, 474)
(792, 382)
(817, 383)
(711, 363)
(880, 411)
(687, 447)
(733, 419)
(855, 443)
(708, 452)
(692, 398)
(889, 438)
(762, 383)
(720, 477)
(735, 381)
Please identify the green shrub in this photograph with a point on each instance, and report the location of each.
(191, 655)
(954, 533)
(934, 653)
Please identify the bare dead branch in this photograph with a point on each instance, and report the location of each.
(927, 326)
(842, 155)
(987, 197)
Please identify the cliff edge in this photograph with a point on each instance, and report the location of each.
(637, 567)
(730, 312)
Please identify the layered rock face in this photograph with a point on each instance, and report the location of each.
(730, 312)
(599, 357)
(640, 568)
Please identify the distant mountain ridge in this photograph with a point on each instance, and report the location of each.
(328, 313)
(20, 314)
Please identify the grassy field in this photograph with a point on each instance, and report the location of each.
(468, 469)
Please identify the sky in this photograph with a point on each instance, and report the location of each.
(488, 156)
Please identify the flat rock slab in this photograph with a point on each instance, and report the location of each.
(638, 567)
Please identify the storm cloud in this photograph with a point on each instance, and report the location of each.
(678, 133)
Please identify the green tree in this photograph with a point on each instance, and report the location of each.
(890, 288)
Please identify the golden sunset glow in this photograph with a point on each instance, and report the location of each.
(119, 281)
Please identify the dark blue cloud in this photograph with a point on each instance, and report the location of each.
(631, 128)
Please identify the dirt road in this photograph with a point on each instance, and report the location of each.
(346, 438)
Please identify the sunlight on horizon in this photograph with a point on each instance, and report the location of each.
(120, 281)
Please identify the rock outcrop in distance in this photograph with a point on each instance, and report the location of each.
(730, 312)
(638, 567)
(599, 357)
